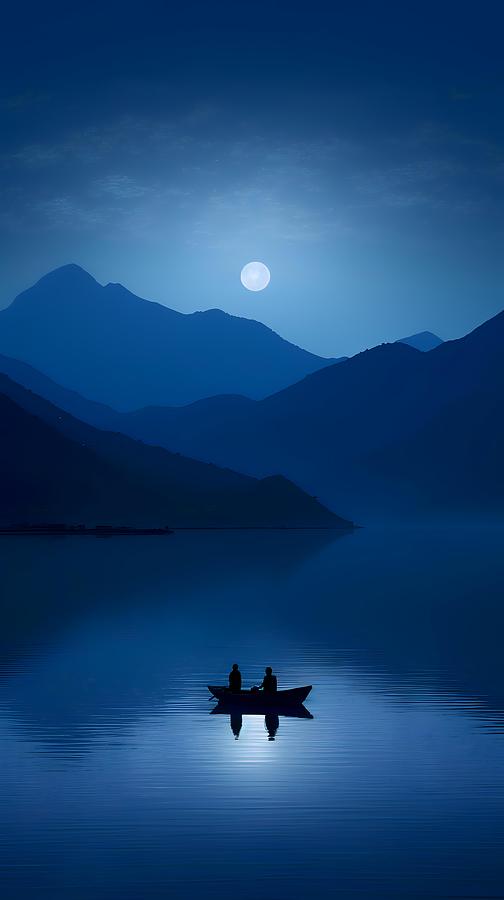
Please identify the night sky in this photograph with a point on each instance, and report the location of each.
(357, 149)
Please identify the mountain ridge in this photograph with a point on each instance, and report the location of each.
(53, 465)
(422, 340)
(331, 431)
(363, 434)
(113, 347)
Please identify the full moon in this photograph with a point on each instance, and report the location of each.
(255, 276)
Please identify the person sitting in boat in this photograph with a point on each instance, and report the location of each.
(269, 684)
(235, 679)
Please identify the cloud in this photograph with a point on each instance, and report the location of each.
(19, 101)
(229, 218)
(121, 186)
(434, 183)
(64, 212)
(148, 177)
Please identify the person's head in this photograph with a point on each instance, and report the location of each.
(235, 667)
(269, 670)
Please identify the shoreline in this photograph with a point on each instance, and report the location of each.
(159, 532)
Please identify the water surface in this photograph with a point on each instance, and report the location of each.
(117, 781)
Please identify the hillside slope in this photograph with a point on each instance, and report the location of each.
(333, 431)
(117, 349)
(53, 467)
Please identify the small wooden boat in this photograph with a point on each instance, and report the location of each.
(260, 698)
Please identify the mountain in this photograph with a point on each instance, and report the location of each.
(455, 460)
(55, 468)
(93, 413)
(424, 341)
(120, 350)
(389, 429)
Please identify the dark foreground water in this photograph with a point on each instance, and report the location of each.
(117, 781)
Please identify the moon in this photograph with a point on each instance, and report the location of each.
(255, 276)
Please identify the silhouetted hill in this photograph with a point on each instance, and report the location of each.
(54, 467)
(391, 428)
(424, 341)
(334, 431)
(89, 411)
(455, 457)
(318, 412)
(114, 348)
(454, 460)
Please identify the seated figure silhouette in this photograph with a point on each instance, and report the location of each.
(269, 684)
(235, 681)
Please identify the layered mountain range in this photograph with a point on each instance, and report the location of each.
(116, 348)
(392, 428)
(54, 467)
(406, 428)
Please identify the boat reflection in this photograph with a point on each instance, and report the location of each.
(271, 723)
(236, 712)
(236, 722)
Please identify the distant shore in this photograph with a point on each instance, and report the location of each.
(79, 530)
(350, 527)
(58, 529)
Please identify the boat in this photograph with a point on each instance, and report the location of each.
(257, 698)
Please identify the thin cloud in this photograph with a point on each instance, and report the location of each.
(121, 186)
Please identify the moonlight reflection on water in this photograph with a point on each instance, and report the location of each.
(114, 760)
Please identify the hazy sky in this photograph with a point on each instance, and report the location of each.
(357, 149)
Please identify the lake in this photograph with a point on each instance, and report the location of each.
(118, 781)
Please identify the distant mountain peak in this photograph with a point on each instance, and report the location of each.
(60, 286)
(424, 341)
(214, 311)
(71, 273)
(398, 350)
(114, 347)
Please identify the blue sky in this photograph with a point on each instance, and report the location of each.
(358, 151)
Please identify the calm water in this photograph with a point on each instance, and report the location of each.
(117, 781)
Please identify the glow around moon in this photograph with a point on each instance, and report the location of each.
(255, 276)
